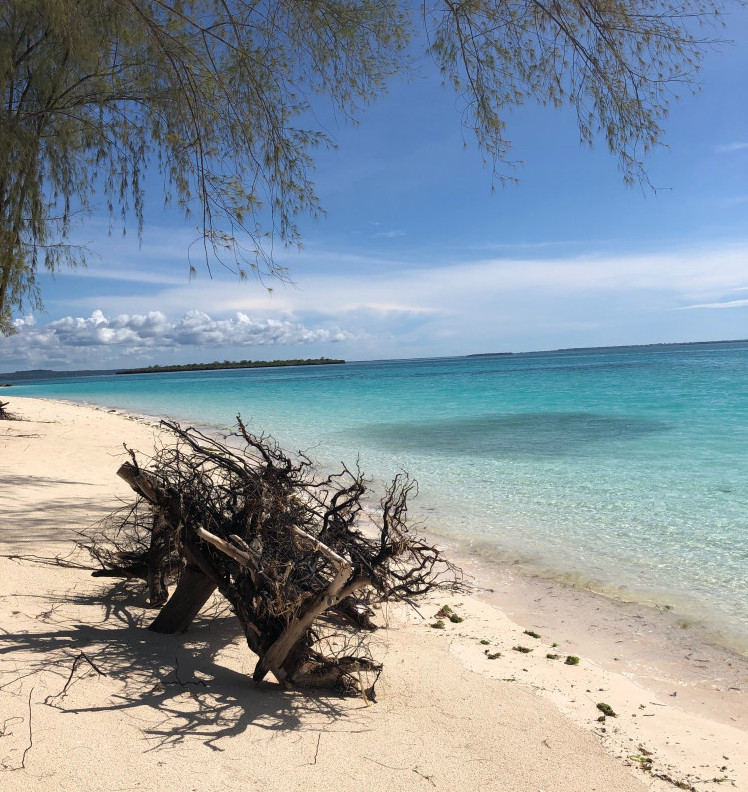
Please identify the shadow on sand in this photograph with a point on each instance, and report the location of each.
(37, 522)
(177, 685)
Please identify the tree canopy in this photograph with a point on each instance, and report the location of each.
(216, 94)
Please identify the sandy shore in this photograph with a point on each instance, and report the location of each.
(89, 699)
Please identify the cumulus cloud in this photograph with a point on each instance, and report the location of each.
(138, 333)
(396, 308)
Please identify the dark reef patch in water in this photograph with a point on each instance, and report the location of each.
(546, 434)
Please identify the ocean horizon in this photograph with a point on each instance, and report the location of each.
(620, 469)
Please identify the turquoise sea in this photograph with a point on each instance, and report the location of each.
(621, 469)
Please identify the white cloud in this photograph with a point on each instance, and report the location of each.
(394, 307)
(470, 288)
(332, 282)
(133, 274)
(152, 332)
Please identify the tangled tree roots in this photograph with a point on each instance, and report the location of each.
(296, 556)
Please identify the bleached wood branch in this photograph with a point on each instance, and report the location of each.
(301, 622)
(139, 481)
(240, 556)
(338, 560)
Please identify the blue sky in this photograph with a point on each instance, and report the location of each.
(419, 256)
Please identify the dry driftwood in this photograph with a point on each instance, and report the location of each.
(5, 413)
(294, 554)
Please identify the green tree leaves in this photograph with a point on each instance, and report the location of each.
(95, 93)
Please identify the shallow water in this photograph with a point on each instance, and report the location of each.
(622, 469)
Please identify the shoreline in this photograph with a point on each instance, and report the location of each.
(703, 722)
(608, 498)
(488, 562)
(632, 638)
(490, 572)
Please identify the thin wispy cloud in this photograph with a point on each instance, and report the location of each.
(726, 304)
(369, 305)
(463, 287)
(132, 274)
(395, 234)
(728, 148)
(378, 286)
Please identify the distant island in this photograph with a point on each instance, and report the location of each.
(44, 374)
(231, 364)
(617, 346)
(492, 354)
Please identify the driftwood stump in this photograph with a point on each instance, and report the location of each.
(287, 549)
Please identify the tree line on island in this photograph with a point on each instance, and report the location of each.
(231, 364)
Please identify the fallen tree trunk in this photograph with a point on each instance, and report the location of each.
(285, 548)
(165, 516)
(193, 590)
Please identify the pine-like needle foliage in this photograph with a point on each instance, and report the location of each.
(214, 93)
(618, 62)
(95, 92)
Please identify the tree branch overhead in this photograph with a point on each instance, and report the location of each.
(216, 96)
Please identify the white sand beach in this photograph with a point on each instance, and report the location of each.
(91, 700)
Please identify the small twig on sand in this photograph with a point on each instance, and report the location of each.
(31, 735)
(429, 778)
(63, 692)
(179, 679)
(22, 766)
(316, 750)
(45, 561)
